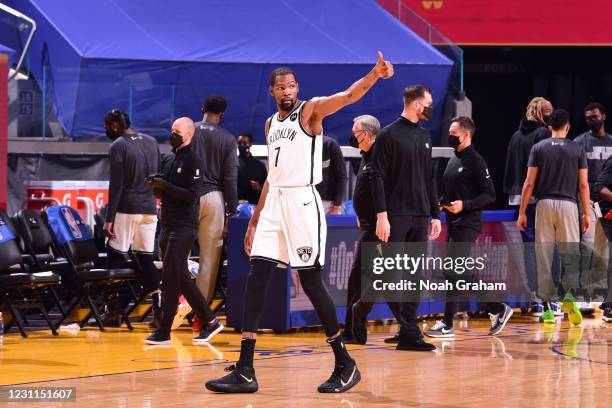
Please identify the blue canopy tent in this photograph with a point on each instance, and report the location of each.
(158, 62)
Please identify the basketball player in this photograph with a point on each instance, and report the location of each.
(288, 225)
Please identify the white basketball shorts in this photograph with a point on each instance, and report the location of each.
(291, 228)
(134, 230)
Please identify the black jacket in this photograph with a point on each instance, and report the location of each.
(467, 178)
(604, 180)
(217, 148)
(183, 172)
(334, 183)
(529, 133)
(402, 175)
(362, 195)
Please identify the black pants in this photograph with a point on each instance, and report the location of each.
(175, 244)
(410, 229)
(607, 227)
(368, 235)
(463, 238)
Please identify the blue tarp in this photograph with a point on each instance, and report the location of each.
(159, 62)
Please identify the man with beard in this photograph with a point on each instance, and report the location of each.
(404, 195)
(131, 215)
(288, 225)
(252, 172)
(597, 146)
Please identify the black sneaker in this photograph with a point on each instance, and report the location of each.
(419, 345)
(498, 322)
(208, 332)
(360, 324)
(392, 340)
(343, 378)
(158, 338)
(607, 315)
(348, 339)
(237, 381)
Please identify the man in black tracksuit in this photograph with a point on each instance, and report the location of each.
(404, 192)
(365, 129)
(467, 189)
(178, 189)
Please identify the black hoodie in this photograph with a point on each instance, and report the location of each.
(529, 133)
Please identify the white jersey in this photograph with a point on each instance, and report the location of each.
(294, 156)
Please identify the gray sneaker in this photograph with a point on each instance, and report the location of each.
(440, 330)
(498, 322)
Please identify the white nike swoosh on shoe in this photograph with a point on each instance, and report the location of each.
(250, 380)
(350, 378)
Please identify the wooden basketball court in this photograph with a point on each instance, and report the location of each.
(529, 364)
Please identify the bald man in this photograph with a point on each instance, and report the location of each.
(177, 187)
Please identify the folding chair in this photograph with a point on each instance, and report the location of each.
(21, 289)
(92, 287)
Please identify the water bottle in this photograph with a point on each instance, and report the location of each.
(1, 329)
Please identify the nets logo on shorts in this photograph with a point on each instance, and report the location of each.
(304, 253)
(293, 117)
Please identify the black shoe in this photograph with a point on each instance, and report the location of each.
(207, 332)
(418, 345)
(158, 338)
(498, 322)
(607, 315)
(238, 380)
(393, 340)
(348, 339)
(360, 324)
(343, 378)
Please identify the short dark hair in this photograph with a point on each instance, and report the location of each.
(214, 104)
(595, 105)
(117, 116)
(279, 72)
(558, 119)
(414, 92)
(465, 123)
(247, 135)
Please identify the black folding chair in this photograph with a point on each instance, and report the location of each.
(92, 287)
(20, 288)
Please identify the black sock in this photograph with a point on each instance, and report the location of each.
(247, 350)
(340, 352)
(448, 320)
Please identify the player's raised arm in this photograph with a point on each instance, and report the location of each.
(327, 105)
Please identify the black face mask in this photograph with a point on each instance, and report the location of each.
(547, 120)
(243, 151)
(176, 140)
(113, 135)
(353, 142)
(595, 124)
(428, 112)
(453, 141)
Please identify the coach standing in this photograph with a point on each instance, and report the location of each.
(217, 148)
(404, 192)
(178, 186)
(467, 189)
